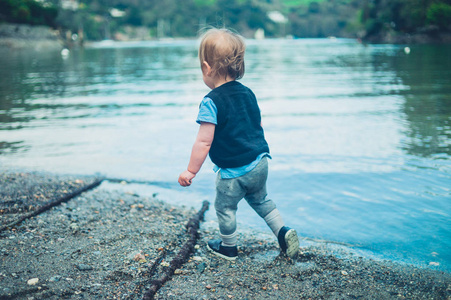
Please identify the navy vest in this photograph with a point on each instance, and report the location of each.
(239, 137)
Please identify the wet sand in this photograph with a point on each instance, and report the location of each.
(106, 244)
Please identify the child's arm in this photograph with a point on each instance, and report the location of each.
(200, 151)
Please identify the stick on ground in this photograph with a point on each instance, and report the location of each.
(192, 227)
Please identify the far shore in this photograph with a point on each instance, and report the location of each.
(22, 36)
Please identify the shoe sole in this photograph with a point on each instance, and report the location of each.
(292, 242)
(221, 255)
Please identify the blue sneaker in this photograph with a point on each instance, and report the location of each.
(289, 241)
(216, 247)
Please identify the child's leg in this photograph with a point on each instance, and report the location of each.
(274, 221)
(229, 192)
(256, 197)
(255, 182)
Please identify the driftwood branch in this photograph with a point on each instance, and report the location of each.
(53, 203)
(182, 256)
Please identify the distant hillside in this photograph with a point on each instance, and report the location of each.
(28, 12)
(372, 20)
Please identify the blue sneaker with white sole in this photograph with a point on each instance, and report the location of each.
(216, 247)
(289, 241)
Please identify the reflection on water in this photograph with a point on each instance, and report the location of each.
(360, 135)
(428, 103)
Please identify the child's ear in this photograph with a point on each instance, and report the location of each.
(206, 69)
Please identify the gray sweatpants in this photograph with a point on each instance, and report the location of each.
(229, 192)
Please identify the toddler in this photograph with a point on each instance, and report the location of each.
(231, 133)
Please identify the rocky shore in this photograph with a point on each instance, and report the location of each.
(108, 244)
(17, 36)
(425, 35)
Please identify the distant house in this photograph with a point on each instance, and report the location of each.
(69, 4)
(116, 13)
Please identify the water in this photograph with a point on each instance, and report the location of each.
(360, 135)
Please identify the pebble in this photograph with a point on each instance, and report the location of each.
(197, 258)
(139, 256)
(201, 267)
(84, 267)
(55, 278)
(344, 273)
(74, 227)
(33, 281)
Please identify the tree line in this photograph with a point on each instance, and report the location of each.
(100, 19)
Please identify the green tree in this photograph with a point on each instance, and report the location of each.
(439, 14)
(27, 12)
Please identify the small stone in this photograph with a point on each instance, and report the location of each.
(201, 267)
(208, 287)
(344, 273)
(434, 263)
(55, 278)
(83, 267)
(32, 281)
(178, 272)
(139, 256)
(197, 258)
(74, 227)
(196, 247)
(164, 264)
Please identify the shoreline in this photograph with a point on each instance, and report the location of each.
(424, 36)
(104, 243)
(23, 36)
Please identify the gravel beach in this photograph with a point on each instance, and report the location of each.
(106, 244)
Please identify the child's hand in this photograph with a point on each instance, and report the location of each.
(185, 178)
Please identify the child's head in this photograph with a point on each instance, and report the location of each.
(223, 50)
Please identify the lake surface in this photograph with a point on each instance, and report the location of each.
(360, 135)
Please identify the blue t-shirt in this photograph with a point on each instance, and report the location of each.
(208, 113)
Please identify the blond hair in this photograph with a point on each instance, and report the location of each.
(224, 51)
